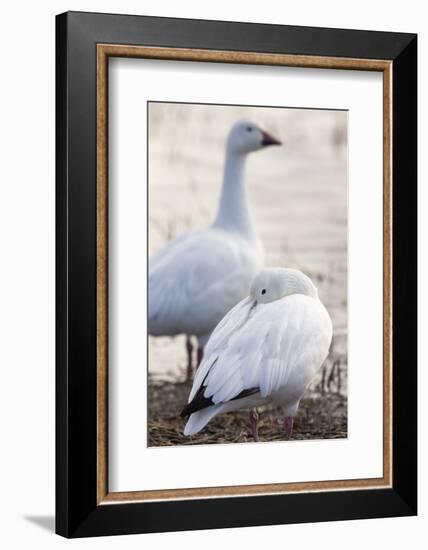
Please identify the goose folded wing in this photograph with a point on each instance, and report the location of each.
(198, 279)
(260, 354)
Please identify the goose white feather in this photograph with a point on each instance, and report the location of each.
(266, 349)
(199, 276)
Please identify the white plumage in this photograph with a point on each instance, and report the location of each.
(266, 350)
(196, 279)
(199, 276)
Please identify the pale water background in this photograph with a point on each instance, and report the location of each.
(298, 195)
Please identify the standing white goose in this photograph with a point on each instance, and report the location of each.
(266, 350)
(199, 276)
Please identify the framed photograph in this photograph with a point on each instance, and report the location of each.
(236, 274)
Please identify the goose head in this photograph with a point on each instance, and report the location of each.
(275, 283)
(245, 136)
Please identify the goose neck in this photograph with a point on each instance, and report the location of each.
(234, 210)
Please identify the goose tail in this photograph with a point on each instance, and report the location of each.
(200, 419)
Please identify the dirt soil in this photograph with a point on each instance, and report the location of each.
(319, 417)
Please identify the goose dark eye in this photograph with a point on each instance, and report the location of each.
(264, 291)
(249, 129)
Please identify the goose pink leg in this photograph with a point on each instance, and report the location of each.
(254, 423)
(189, 348)
(288, 426)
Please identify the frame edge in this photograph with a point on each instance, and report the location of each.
(61, 267)
(405, 274)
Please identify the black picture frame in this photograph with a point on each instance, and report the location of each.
(77, 511)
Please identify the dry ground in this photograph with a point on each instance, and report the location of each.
(319, 417)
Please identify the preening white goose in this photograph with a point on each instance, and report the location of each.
(199, 276)
(266, 350)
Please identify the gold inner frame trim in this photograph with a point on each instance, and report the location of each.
(104, 51)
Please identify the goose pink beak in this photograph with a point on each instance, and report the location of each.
(268, 139)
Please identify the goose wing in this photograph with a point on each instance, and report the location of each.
(256, 349)
(196, 279)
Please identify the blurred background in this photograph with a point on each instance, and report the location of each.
(298, 195)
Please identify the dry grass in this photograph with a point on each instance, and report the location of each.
(319, 417)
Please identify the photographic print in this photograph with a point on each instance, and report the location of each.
(247, 284)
